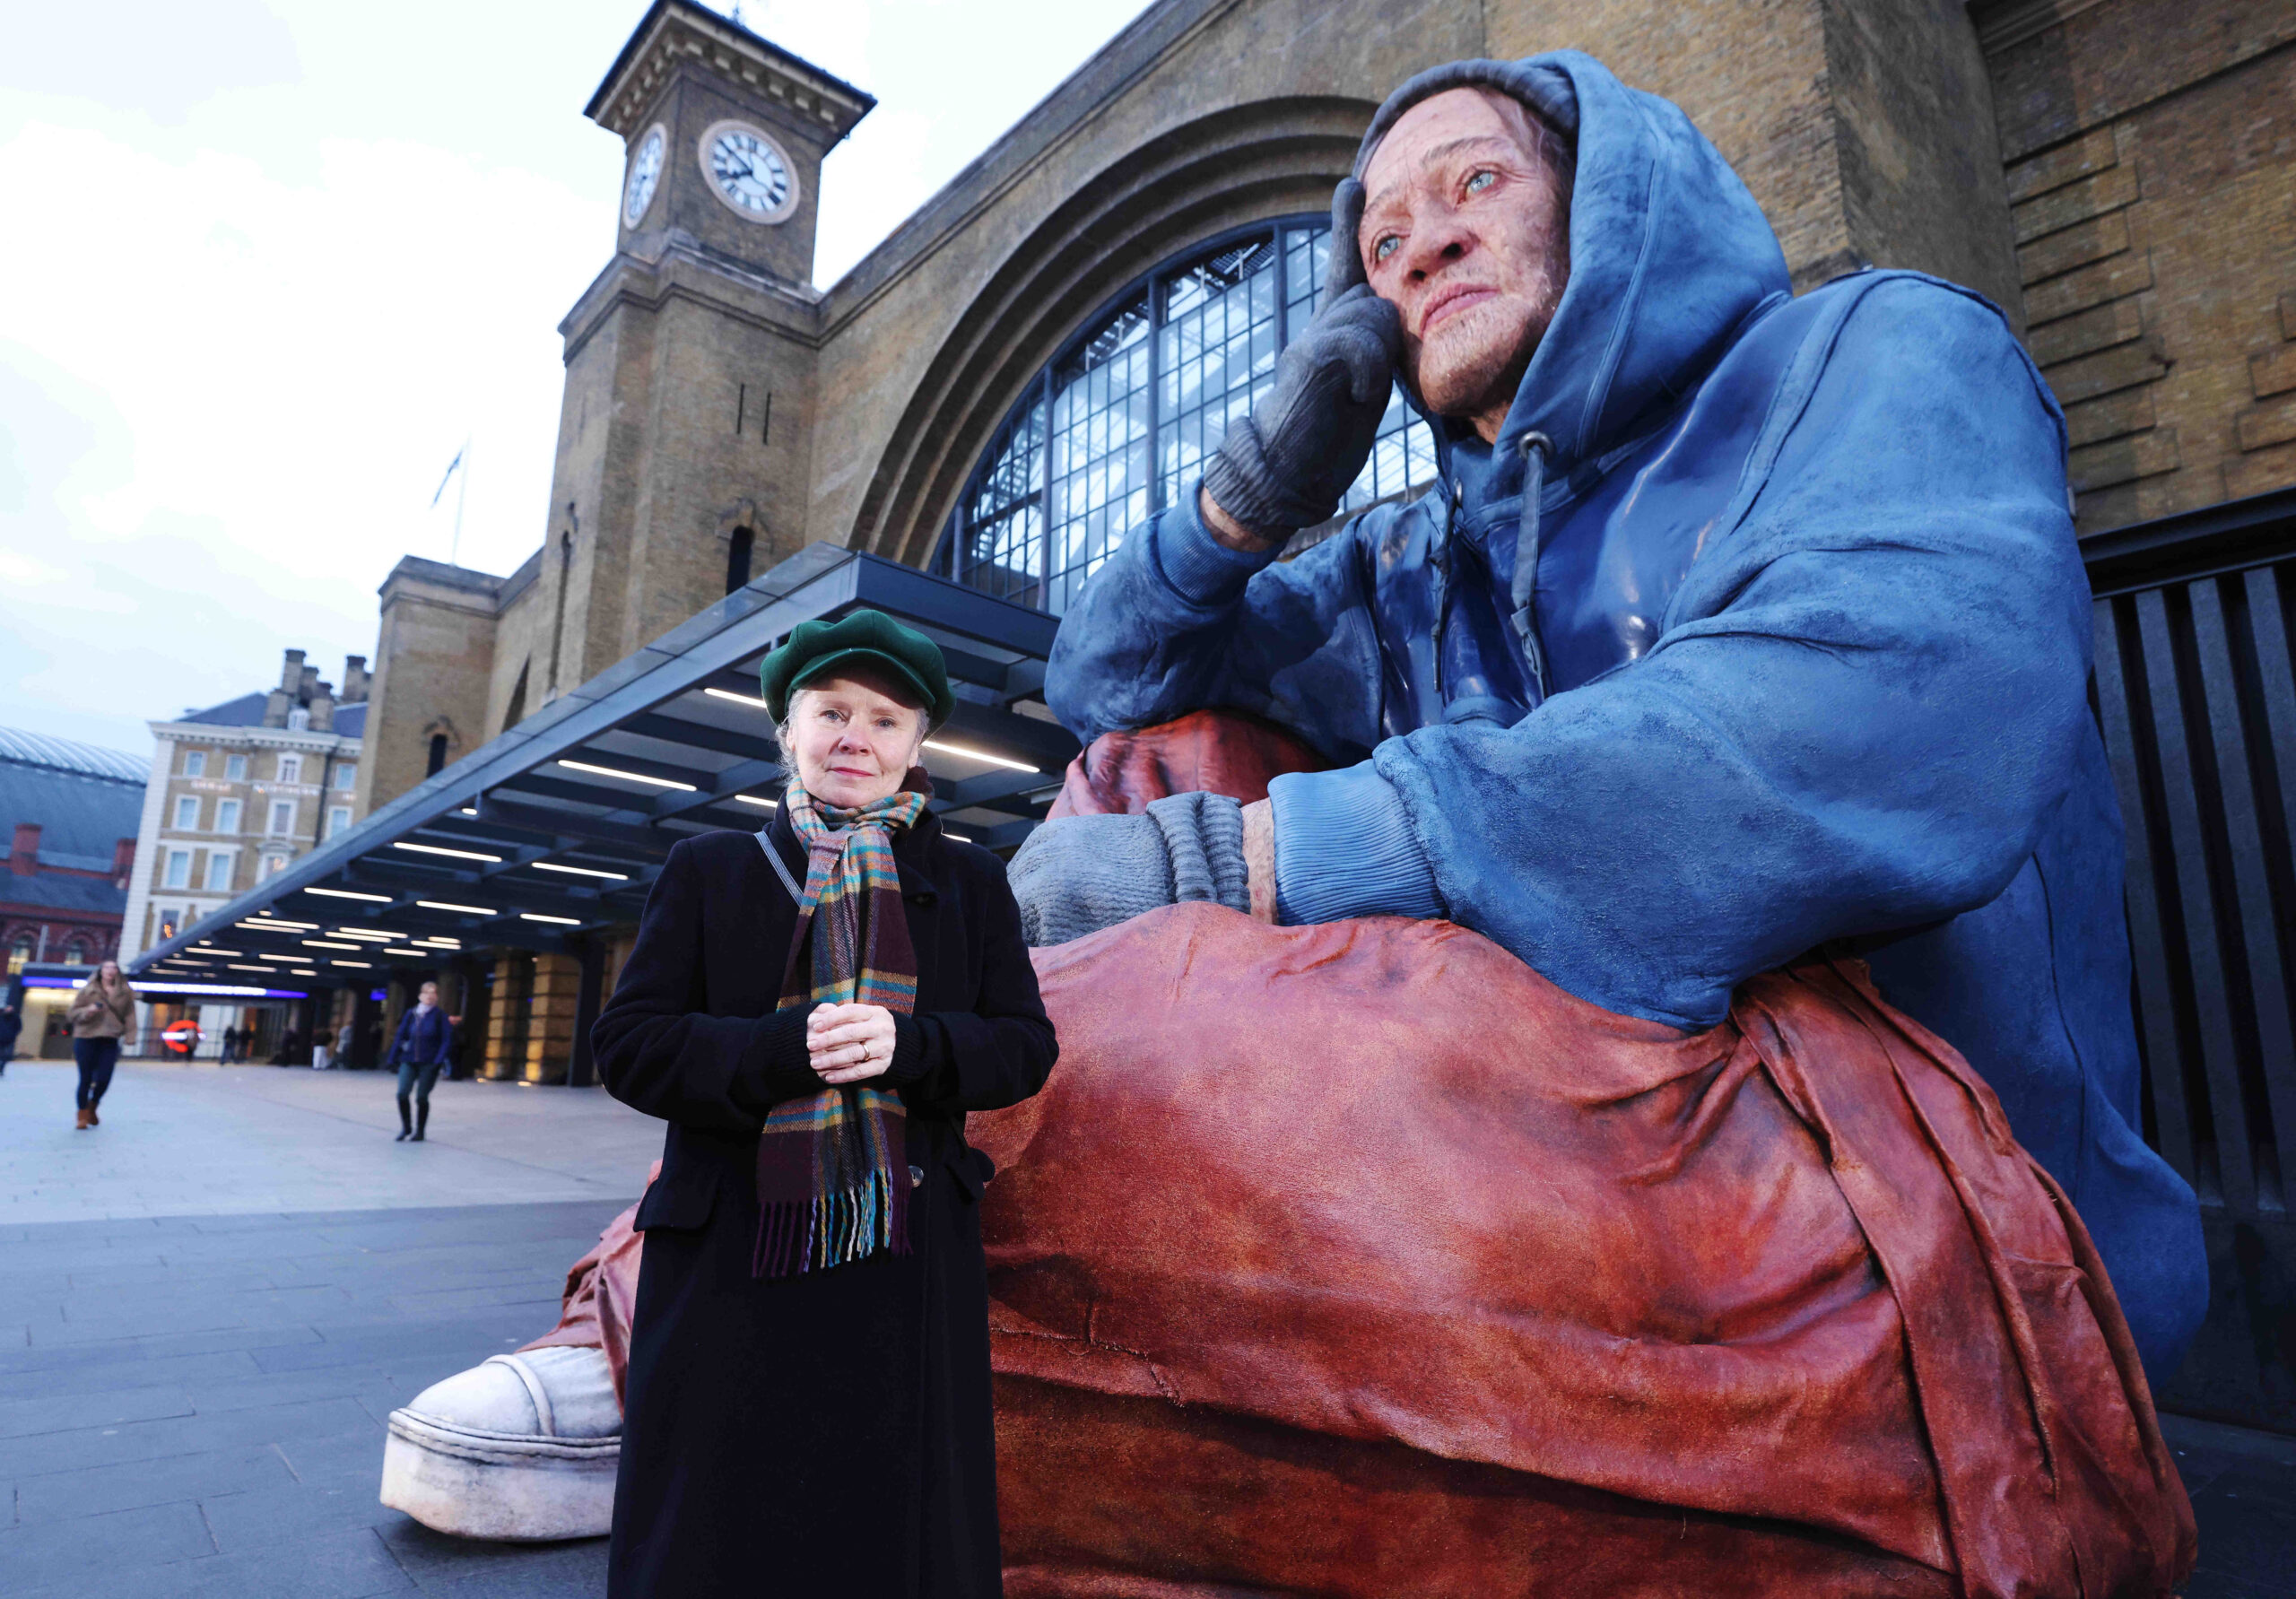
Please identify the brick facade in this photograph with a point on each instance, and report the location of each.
(2151, 154)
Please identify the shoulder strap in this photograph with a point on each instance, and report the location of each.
(782, 868)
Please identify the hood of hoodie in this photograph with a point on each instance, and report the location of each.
(1669, 255)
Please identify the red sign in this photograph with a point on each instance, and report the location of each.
(181, 1038)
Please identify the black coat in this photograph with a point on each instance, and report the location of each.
(830, 1433)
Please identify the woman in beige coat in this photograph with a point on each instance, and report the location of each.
(100, 1014)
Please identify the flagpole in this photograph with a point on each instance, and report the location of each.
(462, 495)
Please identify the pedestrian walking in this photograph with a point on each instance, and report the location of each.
(418, 1049)
(813, 1009)
(100, 1014)
(11, 1024)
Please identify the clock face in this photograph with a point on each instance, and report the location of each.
(645, 176)
(749, 172)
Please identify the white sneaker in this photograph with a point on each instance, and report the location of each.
(520, 1446)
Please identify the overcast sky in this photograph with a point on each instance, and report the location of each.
(267, 266)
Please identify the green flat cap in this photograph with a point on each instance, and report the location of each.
(863, 638)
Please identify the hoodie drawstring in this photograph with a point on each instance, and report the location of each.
(1536, 448)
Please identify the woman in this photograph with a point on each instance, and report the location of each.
(100, 1014)
(422, 1045)
(813, 1009)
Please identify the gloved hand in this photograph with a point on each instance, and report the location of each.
(1082, 874)
(1285, 465)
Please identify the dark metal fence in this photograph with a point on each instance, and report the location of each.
(2196, 690)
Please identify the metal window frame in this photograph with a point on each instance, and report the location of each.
(952, 557)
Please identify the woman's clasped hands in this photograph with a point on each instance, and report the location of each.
(849, 1043)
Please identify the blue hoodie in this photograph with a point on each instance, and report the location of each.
(1816, 635)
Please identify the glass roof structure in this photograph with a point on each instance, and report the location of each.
(552, 832)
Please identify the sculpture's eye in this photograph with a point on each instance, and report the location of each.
(1479, 181)
(1387, 244)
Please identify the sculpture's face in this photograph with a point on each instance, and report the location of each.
(1466, 231)
(853, 739)
(427, 995)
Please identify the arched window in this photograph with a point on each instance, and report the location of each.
(438, 755)
(1118, 427)
(20, 954)
(76, 953)
(737, 558)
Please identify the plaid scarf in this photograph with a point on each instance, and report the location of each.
(833, 1168)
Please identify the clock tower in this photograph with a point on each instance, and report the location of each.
(685, 434)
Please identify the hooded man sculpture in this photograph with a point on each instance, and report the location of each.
(1785, 647)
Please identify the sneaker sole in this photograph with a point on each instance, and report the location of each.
(509, 1486)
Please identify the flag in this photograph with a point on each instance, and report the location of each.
(453, 467)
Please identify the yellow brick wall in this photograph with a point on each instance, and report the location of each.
(2150, 147)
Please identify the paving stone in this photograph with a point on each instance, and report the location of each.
(244, 1522)
(60, 1496)
(348, 1564)
(294, 1424)
(89, 1551)
(64, 1413)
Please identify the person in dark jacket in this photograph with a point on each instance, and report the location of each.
(813, 1009)
(11, 1025)
(418, 1049)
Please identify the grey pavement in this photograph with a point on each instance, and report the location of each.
(181, 1140)
(209, 1304)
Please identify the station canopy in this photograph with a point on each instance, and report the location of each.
(551, 833)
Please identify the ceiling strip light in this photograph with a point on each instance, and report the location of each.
(610, 771)
(367, 933)
(460, 855)
(750, 699)
(347, 894)
(529, 915)
(468, 910)
(751, 799)
(579, 871)
(236, 966)
(321, 944)
(962, 753)
(354, 965)
(273, 925)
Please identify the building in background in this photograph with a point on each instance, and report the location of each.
(71, 810)
(240, 789)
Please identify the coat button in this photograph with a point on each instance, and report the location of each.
(917, 1176)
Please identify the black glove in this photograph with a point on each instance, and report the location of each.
(1082, 874)
(1285, 466)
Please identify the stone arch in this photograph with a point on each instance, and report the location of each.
(1268, 159)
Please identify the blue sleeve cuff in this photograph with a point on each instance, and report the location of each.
(1203, 570)
(1345, 848)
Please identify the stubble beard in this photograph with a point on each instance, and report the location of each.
(1476, 360)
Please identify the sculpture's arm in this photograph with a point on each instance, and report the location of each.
(1176, 621)
(1864, 702)
(1001, 1051)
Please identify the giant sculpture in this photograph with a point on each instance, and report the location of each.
(1594, 1022)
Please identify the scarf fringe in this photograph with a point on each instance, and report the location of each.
(794, 1237)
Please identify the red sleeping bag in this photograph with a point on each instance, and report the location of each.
(1360, 1259)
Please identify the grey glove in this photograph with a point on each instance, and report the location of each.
(1285, 465)
(1082, 874)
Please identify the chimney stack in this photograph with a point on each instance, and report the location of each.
(275, 708)
(291, 675)
(123, 861)
(354, 680)
(323, 708)
(23, 854)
